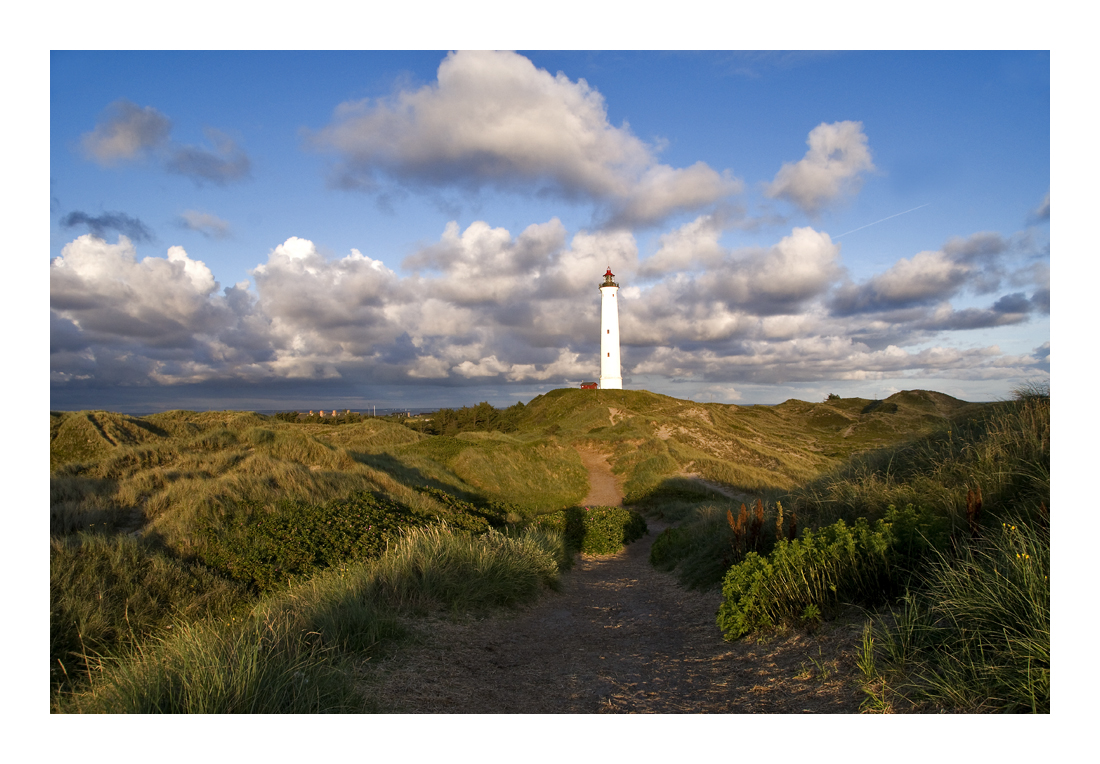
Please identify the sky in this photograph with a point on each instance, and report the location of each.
(303, 230)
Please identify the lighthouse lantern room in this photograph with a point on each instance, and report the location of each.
(611, 375)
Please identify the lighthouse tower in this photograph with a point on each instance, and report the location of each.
(611, 370)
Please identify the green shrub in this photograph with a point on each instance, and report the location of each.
(595, 530)
(839, 564)
(669, 548)
(266, 547)
(466, 516)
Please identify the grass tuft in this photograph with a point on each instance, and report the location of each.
(438, 566)
(975, 636)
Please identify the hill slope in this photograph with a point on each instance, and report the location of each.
(652, 438)
(175, 468)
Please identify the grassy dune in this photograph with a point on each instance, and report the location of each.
(653, 438)
(228, 561)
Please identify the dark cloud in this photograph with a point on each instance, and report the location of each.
(226, 164)
(126, 131)
(210, 226)
(1013, 303)
(130, 227)
(973, 263)
(982, 246)
(65, 335)
(1041, 300)
(1041, 214)
(972, 318)
(1042, 357)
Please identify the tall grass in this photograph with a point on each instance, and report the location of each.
(975, 635)
(110, 594)
(437, 566)
(1004, 453)
(297, 649)
(700, 551)
(209, 668)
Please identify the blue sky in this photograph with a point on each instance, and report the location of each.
(344, 229)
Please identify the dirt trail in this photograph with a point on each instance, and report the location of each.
(603, 488)
(620, 637)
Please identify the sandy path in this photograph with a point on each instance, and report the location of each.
(603, 488)
(619, 637)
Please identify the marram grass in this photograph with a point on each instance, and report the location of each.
(212, 668)
(976, 635)
(295, 652)
(441, 566)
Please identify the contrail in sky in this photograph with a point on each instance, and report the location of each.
(878, 221)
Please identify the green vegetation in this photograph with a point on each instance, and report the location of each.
(216, 668)
(974, 635)
(482, 417)
(295, 651)
(819, 571)
(972, 630)
(460, 572)
(595, 530)
(655, 440)
(109, 594)
(267, 547)
(228, 561)
(700, 550)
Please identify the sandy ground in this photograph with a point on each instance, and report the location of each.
(603, 488)
(620, 637)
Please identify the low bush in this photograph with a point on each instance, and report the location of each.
(266, 547)
(595, 530)
(863, 564)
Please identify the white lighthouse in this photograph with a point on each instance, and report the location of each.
(611, 370)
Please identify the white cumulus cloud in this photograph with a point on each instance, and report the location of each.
(483, 306)
(493, 118)
(833, 165)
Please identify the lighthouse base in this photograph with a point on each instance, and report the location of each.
(611, 383)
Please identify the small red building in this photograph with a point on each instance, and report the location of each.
(588, 385)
